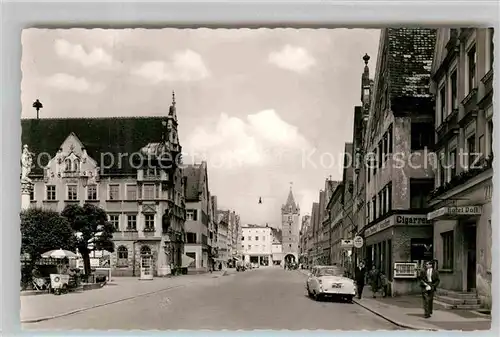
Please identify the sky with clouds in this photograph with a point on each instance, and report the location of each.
(264, 107)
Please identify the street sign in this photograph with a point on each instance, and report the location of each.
(346, 243)
(358, 242)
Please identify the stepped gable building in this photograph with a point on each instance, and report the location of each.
(290, 227)
(400, 128)
(124, 165)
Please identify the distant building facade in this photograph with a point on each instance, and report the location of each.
(256, 243)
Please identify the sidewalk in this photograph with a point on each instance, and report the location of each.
(37, 308)
(407, 312)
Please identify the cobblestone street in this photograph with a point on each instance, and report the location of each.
(265, 298)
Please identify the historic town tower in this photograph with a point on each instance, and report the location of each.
(290, 219)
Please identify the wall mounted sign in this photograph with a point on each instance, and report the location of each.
(379, 226)
(358, 242)
(455, 211)
(346, 243)
(405, 270)
(412, 220)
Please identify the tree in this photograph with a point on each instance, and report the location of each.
(90, 224)
(41, 231)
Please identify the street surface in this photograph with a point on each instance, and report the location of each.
(264, 298)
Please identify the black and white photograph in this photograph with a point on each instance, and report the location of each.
(250, 179)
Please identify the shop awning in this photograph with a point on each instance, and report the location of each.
(456, 212)
(186, 261)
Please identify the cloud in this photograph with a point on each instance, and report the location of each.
(292, 58)
(257, 141)
(76, 53)
(67, 82)
(185, 66)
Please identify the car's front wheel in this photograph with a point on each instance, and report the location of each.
(349, 299)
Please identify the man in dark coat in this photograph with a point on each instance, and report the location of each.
(429, 281)
(359, 278)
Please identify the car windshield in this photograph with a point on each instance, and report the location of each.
(333, 271)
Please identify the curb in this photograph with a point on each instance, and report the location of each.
(36, 320)
(393, 321)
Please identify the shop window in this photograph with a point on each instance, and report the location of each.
(419, 192)
(389, 259)
(422, 136)
(447, 241)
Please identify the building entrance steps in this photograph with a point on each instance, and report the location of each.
(407, 312)
(457, 300)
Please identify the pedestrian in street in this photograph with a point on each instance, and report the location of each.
(375, 281)
(359, 278)
(429, 281)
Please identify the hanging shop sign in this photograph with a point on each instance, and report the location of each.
(346, 243)
(358, 242)
(405, 270)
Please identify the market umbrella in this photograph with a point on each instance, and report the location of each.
(59, 254)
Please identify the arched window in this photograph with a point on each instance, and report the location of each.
(122, 254)
(76, 165)
(145, 250)
(67, 164)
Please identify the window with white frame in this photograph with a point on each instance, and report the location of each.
(148, 192)
(50, 192)
(452, 163)
(131, 222)
(72, 192)
(114, 192)
(191, 214)
(114, 220)
(149, 222)
(471, 68)
(92, 192)
(442, 170)
(131, 192)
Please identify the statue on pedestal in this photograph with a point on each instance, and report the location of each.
(26, 164)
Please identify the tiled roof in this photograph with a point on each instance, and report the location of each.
(410, 52)
(98, 135)
(195, 175)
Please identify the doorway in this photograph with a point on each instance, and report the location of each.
(470, 237)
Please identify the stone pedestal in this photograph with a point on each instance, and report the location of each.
(26, 189)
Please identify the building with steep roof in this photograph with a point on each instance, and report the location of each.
(198, 229)
(399, 175)
(129, 167)
(290, 227)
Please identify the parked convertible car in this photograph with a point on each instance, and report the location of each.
(329, 281)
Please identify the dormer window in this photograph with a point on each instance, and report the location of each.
(76, 165)
(67, 164)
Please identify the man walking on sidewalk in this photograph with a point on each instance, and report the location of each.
(359, 278)
(429, 281)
